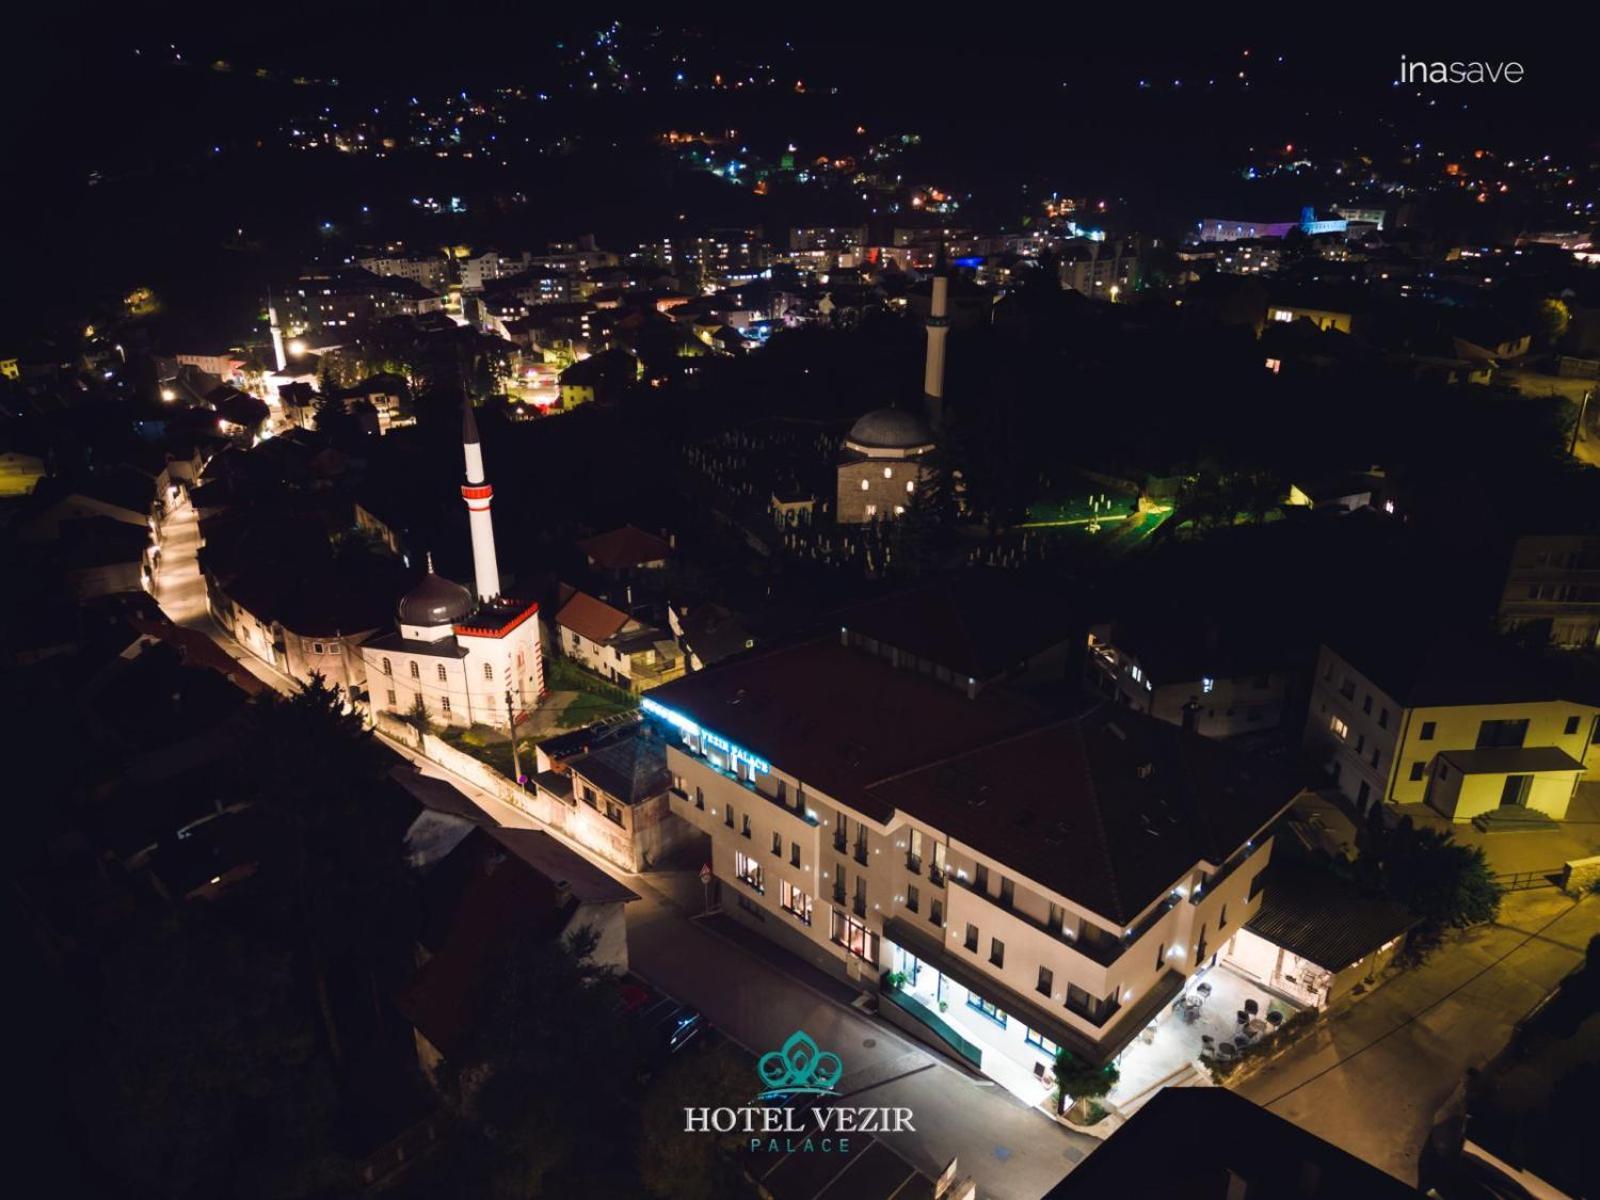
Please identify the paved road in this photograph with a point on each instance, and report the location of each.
(1012, 1151)
(1372, 1080)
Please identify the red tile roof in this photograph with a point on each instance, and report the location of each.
(592, 618)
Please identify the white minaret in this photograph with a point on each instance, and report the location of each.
(938, 330)
(478, 496)
(279, 359)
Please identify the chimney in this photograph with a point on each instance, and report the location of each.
(1191, 713)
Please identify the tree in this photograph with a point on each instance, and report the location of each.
(332, 862)
(543, 1071)
(1447, 885)
(1081, 1081)
(691, 1168)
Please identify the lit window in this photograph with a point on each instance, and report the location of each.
(865, 484)
(1339, 727)
(1207, 684)
(910, 485)
(888, 472)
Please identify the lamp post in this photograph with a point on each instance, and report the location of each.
(511, 725)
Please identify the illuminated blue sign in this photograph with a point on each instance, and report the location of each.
(708, 740)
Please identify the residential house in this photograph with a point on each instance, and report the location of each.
(609, 642)
(1456, 721)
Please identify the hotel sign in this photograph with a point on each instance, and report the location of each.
(708, 740)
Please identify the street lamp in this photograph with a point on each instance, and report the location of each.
(511, 718)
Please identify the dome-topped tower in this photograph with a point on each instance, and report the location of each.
(889, 429)
(435, 603)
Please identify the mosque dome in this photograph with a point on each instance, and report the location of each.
(435, 601)
(890, 429)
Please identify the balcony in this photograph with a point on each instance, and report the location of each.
(1105, 952)
(839, 843)
(913, 864)
(861, 853)
(859, 906)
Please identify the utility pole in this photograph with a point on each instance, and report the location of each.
(511, 718)
(1577, 426)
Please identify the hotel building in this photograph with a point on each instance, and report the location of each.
(1010, 878)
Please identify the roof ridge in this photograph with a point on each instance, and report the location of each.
(995, 744)
(1100, 828)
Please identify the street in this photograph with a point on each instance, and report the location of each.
(1371, 1079)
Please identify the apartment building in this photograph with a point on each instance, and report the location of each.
(1553, 586)
(1013, 880)
(1458, 722)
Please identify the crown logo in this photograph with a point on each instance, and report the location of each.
(799, 1067)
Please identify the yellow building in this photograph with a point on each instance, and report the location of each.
(1462, 726)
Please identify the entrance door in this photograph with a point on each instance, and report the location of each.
(1515, 792)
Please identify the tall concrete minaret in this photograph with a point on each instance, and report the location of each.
(938, 331)
(478, 496)
(279, 358)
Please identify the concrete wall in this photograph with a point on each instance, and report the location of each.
(1581, 874)
(1462, 797)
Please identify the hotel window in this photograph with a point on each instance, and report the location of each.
(1040, 1042)
(1161, 956)
(795, 901)
(1383, 718)
(794, 854)
(1222, 918)
(391, 698)
(748, 870)
(972, 938)
(1427, 731)
(727, 816)
(914, 854)
(980, 879)
(1572, 726)
(488, 672)
(1339, 727)
(913, 900)
(1416, 770)
(1047, 981)
(777, 843)
(1008, 892)
(388, 667)
(1366, 704)
(997, 952)
(744, 825)
(987, 1008)
(415, 673)
(854, 936)
(1374, 758)
(936, 912)
(444, 704)
(700, 799)
(442, 676)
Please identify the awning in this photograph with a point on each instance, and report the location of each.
(1525, 760)
(1127, 1021)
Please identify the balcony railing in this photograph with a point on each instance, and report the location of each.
(861, 853)
(859, 905)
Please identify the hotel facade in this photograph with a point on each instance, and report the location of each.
(1010, 880)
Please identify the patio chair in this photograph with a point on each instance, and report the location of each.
(1274, 1017)
(1226, 1051)
(1203, 988)
(1241, 1016)
(1251, 1007)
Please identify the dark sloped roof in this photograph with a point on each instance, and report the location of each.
(1198, 1143)
(560, 866)
(632, 767)
(1109, 809)
(1424, 668)
(978, 624)
(1317, 916)
(629, 546)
